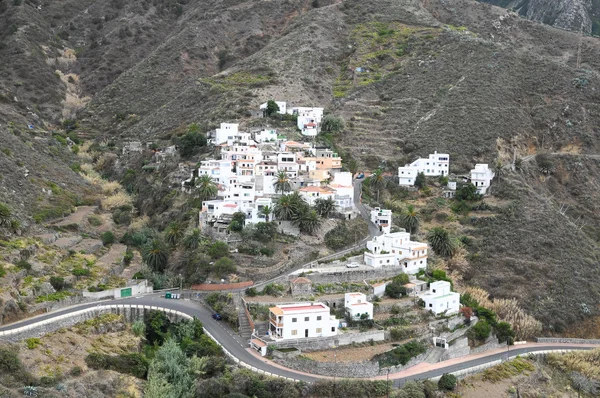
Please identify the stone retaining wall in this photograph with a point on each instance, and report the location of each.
(323, 343)
(353, 275)
(491, 344)
(566, 340)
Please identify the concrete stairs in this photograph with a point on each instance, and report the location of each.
(244, 330)
(435, 355)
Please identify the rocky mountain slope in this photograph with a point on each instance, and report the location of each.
(576, 15)
(409, 77)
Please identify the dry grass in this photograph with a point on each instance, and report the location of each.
(507, 370)
(110, 187)
(117, 200)
(584, 362)
(139, 223)
(508, 310)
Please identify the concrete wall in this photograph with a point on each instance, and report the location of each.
(566, 340)
(353, 275)
(322, 343)
(491, 344)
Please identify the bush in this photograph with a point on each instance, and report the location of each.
(480, 331)
(467, 192)
(273, 289)
(401, 355)
(447, 382)
(224, 266)
(57, 283)
(420, 181)
(218, 250)
(107, 238)
(33, 342)
(134, 364)
(81, 272)
(128, 257)
(76, 371)
(94, 220)
(5, 214)
(251, 292)
(24, 265)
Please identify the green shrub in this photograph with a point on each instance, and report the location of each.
(24, 265)
(76, 371)
(139, 328)
(134, 364)
(81, 272)
(251, 292)
(267, 251)
(5, 214)
(218, 249)
(2, 270)
(53, 297)
(107, 238)
(480, 331)
(224, 266)
(33, 342)
(401, 355)
(94, 220)
(128, 257)
(447, 382)
(57, 283)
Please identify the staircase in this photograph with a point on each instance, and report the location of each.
(435, 355)
(245, 330)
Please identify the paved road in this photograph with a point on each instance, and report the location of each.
(237, 347)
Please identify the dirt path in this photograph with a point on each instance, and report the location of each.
(78, 217)
(135, 266)
(113, 257)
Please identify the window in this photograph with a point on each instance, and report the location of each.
(294, 332)
(434, 290)
(306, 319)
(430, 305)
(319, 318)
(319, 330)
(294, 319)
(333, 328)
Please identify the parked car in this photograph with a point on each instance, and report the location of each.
(360, 176)
(353, 265)
(217, 317)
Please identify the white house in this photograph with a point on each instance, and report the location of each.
(312, 193)
(218, 170)
(378, 288)
(344, 192)
(437, 164)
(481, 177)
(253, 215)
(396, 249)
(282, 107)
(301, 320)
(382, 219)
(357, 306)
(440, 299)
(226, 132)
(265, 136)
(287, 161)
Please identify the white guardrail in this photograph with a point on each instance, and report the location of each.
(143, 307)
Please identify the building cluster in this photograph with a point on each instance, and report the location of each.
(309, 118)
(438, 164)
(248, 168)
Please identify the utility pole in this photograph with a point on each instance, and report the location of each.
(387, 383)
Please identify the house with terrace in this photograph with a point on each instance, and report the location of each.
(382, 218)
(481, 177)
(441, 299)
(301, 320)
(357, 306)
(437, 164)
(396, 250)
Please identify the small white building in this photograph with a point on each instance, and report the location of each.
(226, 132)
(301, 320)
(282, 107)
(378, 289)
(437, 164)
(287, 161)
(382, 219)
(396, 249)
(312, 193)
(441, 299)
(481, 177)
(265, 136)
(357, 306)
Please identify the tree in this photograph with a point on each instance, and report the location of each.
(467, 192)
(272, 108)
(519, 164)
(224, 266)
(170, 365)
(467, 312)
(206, 187)
(325, 207)
(5, 214)
(57, 283)
(107, 238)
(192, 240)
(266, 212)
(480, 331)
(545, 163)
(192, 141)
(504, 332)
(447, 382)
(395, 289)
(498, 169)
(332, 124)
(441, 242)
(157, 326)
(283, 208)
(352, 166)
(282, 183)
(377, 181)
(237, 222)
(308, 221)
(218, 249)
(155, 255)
(420, 181)
(174, 233)
(410, 219)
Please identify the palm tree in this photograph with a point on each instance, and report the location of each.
(410, 219)
(377, 181)
(155, 255)
(298, 201)
(206, 187)
(266, 211)
(282, 182)
(308, 220)
(325, 207)
(284, 208)
(352, 166)
(498, 169)
(192, 240)
(441, 242)
(174, 233)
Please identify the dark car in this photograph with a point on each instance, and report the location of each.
(217, 317)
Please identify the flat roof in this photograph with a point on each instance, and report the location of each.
(280, 310)
(353, 305)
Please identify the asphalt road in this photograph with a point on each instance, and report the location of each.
(238, 348)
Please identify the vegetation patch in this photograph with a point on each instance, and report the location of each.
(508, 369)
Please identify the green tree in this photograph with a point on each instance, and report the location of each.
(266, 212)
(284, 208)
(170, 365)
(308, 220)
(282, 182)
(467, 192)
(325, 207)
(224, 266)
(410, 219)
(206, 187)
(504, 332)
(545, 163)
(157, 326)
(272, 108)
(237, 221)
(218, 249)
(420, 181)
(5, 214)
(155, 255)
(352, 166)
(480, 331)
(498, 169)
(57, 283)
(377, 181)
(447, 382)
(107, 238)
(191, 241)
(441, 242)
(174, 233)
(192, 141)
(332, 124)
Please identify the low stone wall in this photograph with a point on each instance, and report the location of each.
(491, 344)
(414, 361)
(211, 287)
(130, 313)
(387, 307)
(566, 340)
(460, 348)
(353, 275)
(323, 343)
(337, 369)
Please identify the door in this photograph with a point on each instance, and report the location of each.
(126, 292)
(305, 332)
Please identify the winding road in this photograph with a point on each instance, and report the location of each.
(238, 347)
